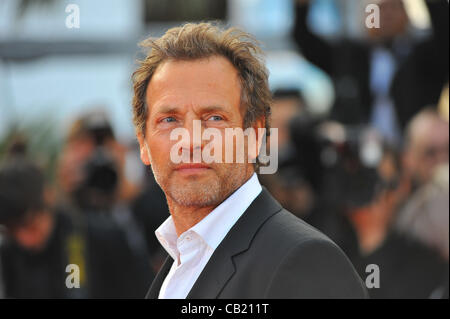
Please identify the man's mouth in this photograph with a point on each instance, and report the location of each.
(192, 168)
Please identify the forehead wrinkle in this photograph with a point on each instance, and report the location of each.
(163, 88)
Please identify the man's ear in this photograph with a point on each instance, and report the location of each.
(143, 149)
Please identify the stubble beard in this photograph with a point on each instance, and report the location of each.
(198, 193)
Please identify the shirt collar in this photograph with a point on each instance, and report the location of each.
(167, 237)
(216, 225)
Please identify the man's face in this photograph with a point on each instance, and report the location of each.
(34, 232)
(428, 149)
(180, 92)
(70, 170)
(393, 19)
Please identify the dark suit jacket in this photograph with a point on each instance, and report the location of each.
(270, 253)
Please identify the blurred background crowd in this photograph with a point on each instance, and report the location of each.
(362, 114)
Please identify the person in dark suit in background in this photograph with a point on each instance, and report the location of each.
(226, 236)
(40, 242)
(390, 73)
(150, 210)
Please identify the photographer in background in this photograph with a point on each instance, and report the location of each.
(426, 146)
(366, 187)
(294, 183)
(91, 167)
(424, 214)
(92, 179)
(91, 174)
(41, 241)
(31, 253)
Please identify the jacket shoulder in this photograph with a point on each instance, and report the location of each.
(289, 230)
(306, 263)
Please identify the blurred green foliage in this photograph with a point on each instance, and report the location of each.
(38, 140)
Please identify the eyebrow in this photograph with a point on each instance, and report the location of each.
(169, 109)
(213, 108)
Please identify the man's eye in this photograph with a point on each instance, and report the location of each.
(215, 118)
(168, 119)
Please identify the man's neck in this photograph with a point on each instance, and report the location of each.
(185, 218)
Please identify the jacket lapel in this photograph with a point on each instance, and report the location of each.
(220, 268)
(153, 292)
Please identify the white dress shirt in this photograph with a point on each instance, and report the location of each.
(192, 250)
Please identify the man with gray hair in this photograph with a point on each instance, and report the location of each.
(425, 160)
(426, 146)
(227, 237)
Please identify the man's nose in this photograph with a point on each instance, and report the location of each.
(195, 127)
